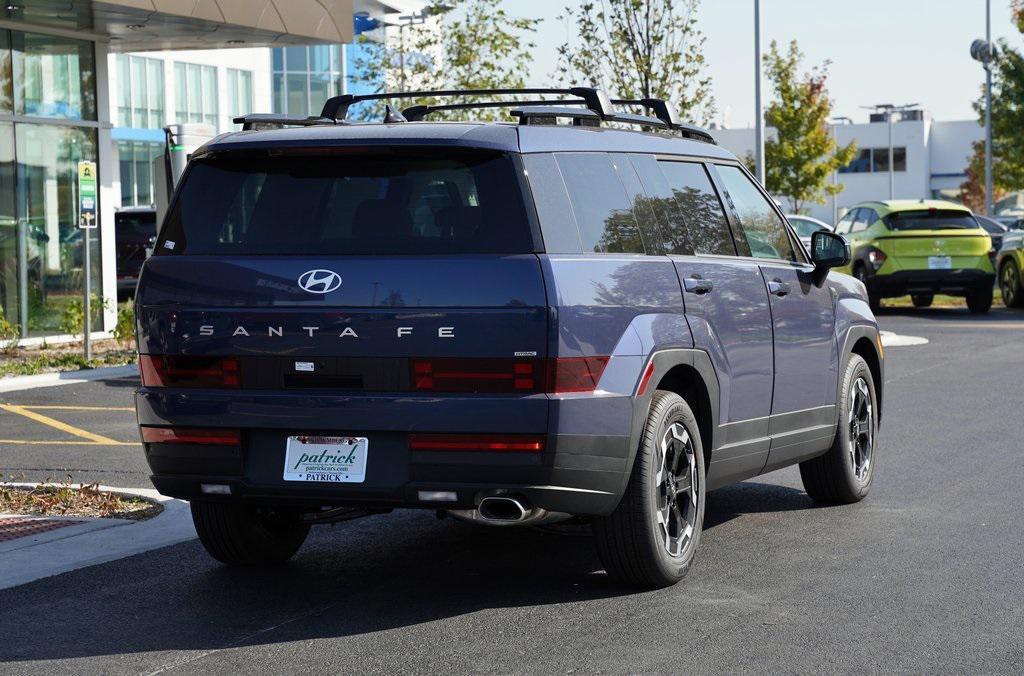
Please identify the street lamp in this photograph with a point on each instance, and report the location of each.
(984, 52)
(838, 119)
(758, 107)
(889, 109)
(413, 19)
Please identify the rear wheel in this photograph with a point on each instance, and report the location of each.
(922, 299)
(1009, 284)
(979, 301)
(874, 300)
(844, 473)
(244, 535)
(652, 536)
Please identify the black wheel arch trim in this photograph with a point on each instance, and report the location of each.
(849, 340)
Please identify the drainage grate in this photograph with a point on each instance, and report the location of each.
(19, 527)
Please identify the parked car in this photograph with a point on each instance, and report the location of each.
(920, 248)
(1009, 264)
(510, 323)
(995, 231)
(134, 235)
(805, 226)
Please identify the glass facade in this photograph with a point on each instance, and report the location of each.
(305, 77)
(140, 96)
(135, 163)
(41, 246)
(195, 91)
(239, 95)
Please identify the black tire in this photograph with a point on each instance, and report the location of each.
(244, 535)
(632, 543)
(1010, 284)
(839, 476)
(922, 299)
(874, 300)
(979, 301)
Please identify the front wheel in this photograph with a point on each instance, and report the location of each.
(979, 301)
(843, 474)
(652, 536)
(1009, 284)
(245, 535)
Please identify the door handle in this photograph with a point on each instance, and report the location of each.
(697, 285)
(779, 288)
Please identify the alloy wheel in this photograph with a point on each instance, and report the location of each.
(677, 489)
(861, 428)
(1009, 284)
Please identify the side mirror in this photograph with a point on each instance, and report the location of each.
(828, 250)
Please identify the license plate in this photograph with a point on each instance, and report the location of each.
(325, 459)
(940, 263)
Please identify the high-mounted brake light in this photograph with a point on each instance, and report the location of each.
(502, 443)
(188, 371)
(511, 376)
(191, 435)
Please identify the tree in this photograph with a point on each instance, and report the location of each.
(640, 49)
(802, 155)
(476, 45)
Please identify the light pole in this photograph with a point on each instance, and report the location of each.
(889, 109)
(839, 119)
(983, 51)
(758, 107)
(405, 21)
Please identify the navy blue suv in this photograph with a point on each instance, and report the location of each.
(579, 313)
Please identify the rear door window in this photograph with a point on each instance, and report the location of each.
(390, 202)
(603, 210)
(696, 214)
(762, 227)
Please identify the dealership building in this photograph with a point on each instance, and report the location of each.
(929, 159)
(96, 81)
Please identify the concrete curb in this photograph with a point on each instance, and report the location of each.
(17, 383)
(95, 541)
(890, 339)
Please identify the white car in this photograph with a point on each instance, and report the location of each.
(806, 226)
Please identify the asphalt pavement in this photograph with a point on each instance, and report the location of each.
(923, 576)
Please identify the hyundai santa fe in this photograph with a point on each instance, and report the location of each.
(581, 312)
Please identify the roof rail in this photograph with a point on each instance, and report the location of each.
(417, 113)
(665, 112)
(255, 120)
(336, 107)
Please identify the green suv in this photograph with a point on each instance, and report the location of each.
(920, 248)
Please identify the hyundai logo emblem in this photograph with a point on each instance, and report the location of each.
(319, 281)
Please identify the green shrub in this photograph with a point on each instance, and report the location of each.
(10, 335)
(72, 317)
(124, 330)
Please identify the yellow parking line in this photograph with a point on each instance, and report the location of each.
(79, 408)
(58, 425)
(36, 442)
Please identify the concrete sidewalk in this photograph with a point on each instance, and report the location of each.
(61, 544)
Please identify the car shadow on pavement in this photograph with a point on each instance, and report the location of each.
(352, 580)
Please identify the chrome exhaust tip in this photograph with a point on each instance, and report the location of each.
(501, 508)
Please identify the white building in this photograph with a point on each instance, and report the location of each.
(930, 159)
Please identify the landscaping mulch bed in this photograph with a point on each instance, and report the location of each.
(75, 500)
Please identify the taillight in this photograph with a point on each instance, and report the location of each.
(188, 371)
(507, 443)
(876, 258)
(190, 435)
(511, 376)
(477, 375)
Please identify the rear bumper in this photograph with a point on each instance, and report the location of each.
(954, 282)
(581, 471)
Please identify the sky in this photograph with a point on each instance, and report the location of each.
(881, 51)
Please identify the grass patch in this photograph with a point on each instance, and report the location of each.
(940, 300)
(66, 499)
(31, 364)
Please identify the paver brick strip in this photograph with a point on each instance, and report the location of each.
(19, 527)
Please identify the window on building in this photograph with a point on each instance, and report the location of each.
(304, 77)
(239, 94)
(140, 83)
(53, 77)
(876, 160)
(135, 160)
(195, 91)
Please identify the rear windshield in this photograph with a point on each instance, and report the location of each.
(392, 203)
(930, 219)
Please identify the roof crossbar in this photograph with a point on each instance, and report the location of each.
(417, 113)
(667, 114)
(253, 120)
(336, 107)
